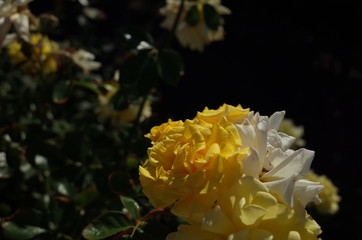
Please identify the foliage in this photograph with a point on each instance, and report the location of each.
(67, 169)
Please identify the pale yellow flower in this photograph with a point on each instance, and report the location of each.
(197, 36)
(288, 127)
(188, 161)
(85, 60)
(15, 13)
(120, 117)
(329, 195)
(247, 210)
(42, 54)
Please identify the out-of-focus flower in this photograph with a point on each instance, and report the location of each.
(329, 195)
(15, 12)
(200, 22)
(272, 161)
(288, 127)
(121, 117)
(188, 161)
(247, 210)
(38, 55)
(85, 60)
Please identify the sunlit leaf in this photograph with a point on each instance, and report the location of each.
(13, 231)
(106, 225)
(212, 17)
(90, 86)
(132, 207)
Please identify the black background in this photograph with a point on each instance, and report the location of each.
(304, 58)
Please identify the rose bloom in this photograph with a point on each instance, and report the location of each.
(188, 161)
(15, 13)
(43, 52)
(247, 210)
(329, 195)
(193, 37)
(106, 112)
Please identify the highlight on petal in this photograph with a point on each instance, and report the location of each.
(297, 165)
(247, 210)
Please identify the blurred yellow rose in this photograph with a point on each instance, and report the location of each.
(247, 210)
(40, 56)
(127, 115)
(288, 127)
(188, 161)
(197, 35)
(329, 195)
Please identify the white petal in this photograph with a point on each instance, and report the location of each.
(251, 164)
(307, 191)
(274, 158)
(297, 165)
(276, 119)
(283, 188)
(21, 24)
(280, 140)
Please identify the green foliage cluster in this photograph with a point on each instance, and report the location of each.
(65, 173)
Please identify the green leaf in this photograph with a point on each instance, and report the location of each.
(4, 168)
(140, 73)
(171, 66)
(13, 231)
(87, 197)
(193, 16)
(106, 225)
(212, 17)
(90, 86)
(119, 101)
(61, 92)
(132, 207)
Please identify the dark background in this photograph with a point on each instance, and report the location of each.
(304, 57)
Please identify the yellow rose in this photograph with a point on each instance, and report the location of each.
(42, 51)
(329, 195)
(188, 161)
(247, 210)
(121, 117)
